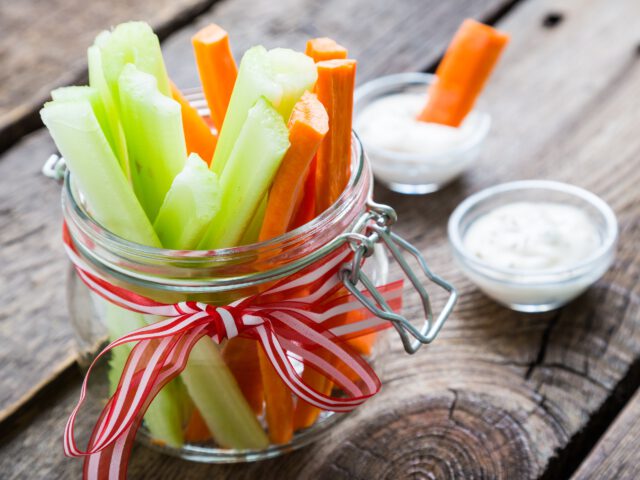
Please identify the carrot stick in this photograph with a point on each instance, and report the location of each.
(278, 402)
(241, 356)
(217, 69)
(324, 49)
(336, 79)
(462, 73)
(308, 125)
(306, 414)
(305, 209)
(197, 134)
(196, 430)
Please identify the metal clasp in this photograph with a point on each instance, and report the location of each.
(376, 224)
(55, 168)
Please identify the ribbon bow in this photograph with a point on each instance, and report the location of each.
(300, 318)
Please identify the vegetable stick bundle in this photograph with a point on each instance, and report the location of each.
(153, 171)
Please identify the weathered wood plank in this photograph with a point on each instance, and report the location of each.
(616, 454)
(42, 46)
(30, 248)
(499, 395)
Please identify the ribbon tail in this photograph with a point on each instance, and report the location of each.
(150, 366)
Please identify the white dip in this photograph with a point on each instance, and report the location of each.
(389, 131)
(535, 245)
(532, 236)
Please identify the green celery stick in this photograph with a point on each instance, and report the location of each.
(76, 131)
(164, 417)
(132, 42)
(254, 80)
(227, 413)
(155, 140)
(79, 138)
(113, 132)
(263, 141)
(295, 72)
(280, 75)
(74, 93)
(252, 233)
(189, 206)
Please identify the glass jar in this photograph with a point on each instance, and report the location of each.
(215, 411)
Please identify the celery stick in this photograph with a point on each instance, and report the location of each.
(254, 80)
(114, 132)
(280, 75)
(132, 42)
(263, 141)
(227, 413)
(74, 93)
(189, 206)
(164, 417)
(78, 136)
(155, 141)
(295, 72)
(252, 233)
(77, 133)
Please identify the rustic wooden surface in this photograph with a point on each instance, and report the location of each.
(499, 394)
(616, 454)
(43, 45)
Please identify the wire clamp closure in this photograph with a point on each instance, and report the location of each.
(376, 227)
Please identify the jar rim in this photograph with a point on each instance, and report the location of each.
(89, 235)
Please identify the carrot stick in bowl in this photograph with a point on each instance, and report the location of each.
(217, 69)
(463, 72)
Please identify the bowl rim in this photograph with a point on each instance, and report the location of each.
(379, 88)
(524, 276)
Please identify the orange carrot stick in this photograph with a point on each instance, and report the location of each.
(241, 356)
(196, 430)
(308, 125)
(278, 402)
(306, 414)
(462, 73)
(197, 134)
(324, 49)
(217, 69)
(305, 210)
(336, 79)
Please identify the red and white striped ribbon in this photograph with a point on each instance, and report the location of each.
(301, 317)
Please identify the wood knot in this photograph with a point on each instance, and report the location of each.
(457, 436)
(552, 19)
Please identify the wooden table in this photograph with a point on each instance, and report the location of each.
(499, 394)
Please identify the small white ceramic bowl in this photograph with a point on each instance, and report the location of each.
(534, 290)
(416, 173)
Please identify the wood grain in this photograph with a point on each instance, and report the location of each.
(499, 394)
(43, 45)
(616, 454)
(30, 248)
